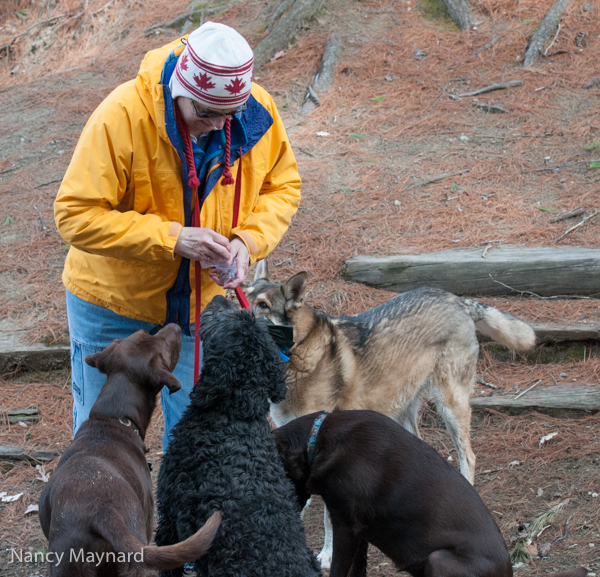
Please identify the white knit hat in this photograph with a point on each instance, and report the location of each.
(215, 68)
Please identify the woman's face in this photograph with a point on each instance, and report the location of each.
(190, 112)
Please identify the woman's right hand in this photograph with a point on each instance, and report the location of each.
(203, 244)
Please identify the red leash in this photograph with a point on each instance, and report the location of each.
(239, 293)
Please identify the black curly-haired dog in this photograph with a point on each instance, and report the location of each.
(222, 457)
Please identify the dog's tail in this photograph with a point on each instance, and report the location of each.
(500, 326)
(158, 558)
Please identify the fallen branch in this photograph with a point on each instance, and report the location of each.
(529, 389)
(180, 20)
(324, 78)
(283, 32)
(541, 35)
(48, 183)
(571, 214)
(490, 88)
(486, 46)
(482, 382)
(491, 108)
(566, 531)
(563, 165)
(574, 297)
(437, 178)
(577, 225)
(44, 228)
(15, 38)
(592, 83)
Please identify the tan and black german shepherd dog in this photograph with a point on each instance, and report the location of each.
(386, 359)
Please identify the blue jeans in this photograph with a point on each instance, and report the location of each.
(92, 328)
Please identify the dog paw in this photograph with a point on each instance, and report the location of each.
(324, 558)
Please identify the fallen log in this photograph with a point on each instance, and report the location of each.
(35, 357)
(29, 415)
(582, 397)
(564, 272)
(460, 12)
(566, 333)
(18, 453)
(542, 34)
(324, 78)
(297, 13)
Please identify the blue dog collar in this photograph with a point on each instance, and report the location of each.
(312, 441)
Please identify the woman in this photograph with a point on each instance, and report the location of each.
(187, 132)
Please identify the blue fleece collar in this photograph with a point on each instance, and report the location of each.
(247, 129)
(311, 447)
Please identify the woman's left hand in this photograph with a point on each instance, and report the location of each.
(241, 257)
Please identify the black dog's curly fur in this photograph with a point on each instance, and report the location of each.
(223, 457)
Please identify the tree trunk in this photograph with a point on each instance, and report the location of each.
(283, 32)
(548, 25)
(324, 77)
(460, 12)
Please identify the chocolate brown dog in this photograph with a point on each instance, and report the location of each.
(97, 508)
(382, 485)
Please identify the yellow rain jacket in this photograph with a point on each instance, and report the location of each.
(125, 198)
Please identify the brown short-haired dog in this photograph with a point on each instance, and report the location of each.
(382, 485)
(97, 508)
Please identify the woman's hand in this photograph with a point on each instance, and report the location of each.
(205, 245)
(241, 258)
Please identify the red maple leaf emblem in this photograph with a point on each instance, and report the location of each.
(183, 63)
(236, 86)
(203, 81)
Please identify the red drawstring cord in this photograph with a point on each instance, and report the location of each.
(194, 183)
(227, 176)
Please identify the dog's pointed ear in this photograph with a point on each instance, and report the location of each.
(294, 288)
(100, 360)
(262, 271)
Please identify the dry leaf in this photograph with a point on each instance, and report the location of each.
(278, 55)
(6, 498)
(548, 437)
(31, 509)
(43, 475)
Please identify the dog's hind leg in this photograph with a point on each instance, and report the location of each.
(326, 553)
(455, 410)
(445, 563)
(359, 563)
(409, 417)
(305, 508)
(345, 547)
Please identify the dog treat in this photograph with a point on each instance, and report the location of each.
(225, 273)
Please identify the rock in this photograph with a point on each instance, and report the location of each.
(419, 54)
